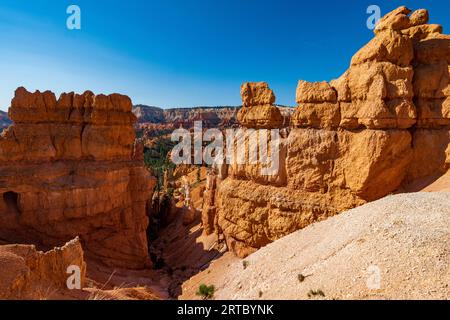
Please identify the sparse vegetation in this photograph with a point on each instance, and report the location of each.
(170, 192)
(245, 264)
(206, 292)
(45, 294)
(97, 295)
(315, 293)
(301, 277)
(157, 159)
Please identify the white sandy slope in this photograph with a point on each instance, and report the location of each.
(406, 237)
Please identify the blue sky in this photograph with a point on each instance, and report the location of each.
(184, 53)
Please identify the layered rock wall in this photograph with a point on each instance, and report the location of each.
(382, 125)
(211, 117)
(70, 167)
(31, 274)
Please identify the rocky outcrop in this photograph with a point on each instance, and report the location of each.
(211, 117)
(258, 110)
(70, 167)
(148, 114)
(31, 274)
(383, 124)
(208, 208)
(431, 85)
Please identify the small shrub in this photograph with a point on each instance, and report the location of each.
(245, 264)
(206, 292)
(301, 277)
(170, 192)
(315, 293)
(260, 294)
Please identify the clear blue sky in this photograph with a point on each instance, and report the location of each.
(184, 53)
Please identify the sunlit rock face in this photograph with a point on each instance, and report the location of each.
(70, 167)
(382, 125)
(31, 274)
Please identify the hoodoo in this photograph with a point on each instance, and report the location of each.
(381, 126)
(70, 167)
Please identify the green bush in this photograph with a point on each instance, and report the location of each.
(170, 192)
(206, 292)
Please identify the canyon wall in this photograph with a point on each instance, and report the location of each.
(70, 167)
(211, 117)
(382, 125)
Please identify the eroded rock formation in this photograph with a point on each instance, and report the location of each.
(209, 210)
(70, 167)
(211, 117)
(258, 110)
(154, 122)
(31, 274)
(382, 125)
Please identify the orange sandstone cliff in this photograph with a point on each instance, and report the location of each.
(70, 167)
(31, 274)
(383, 125)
